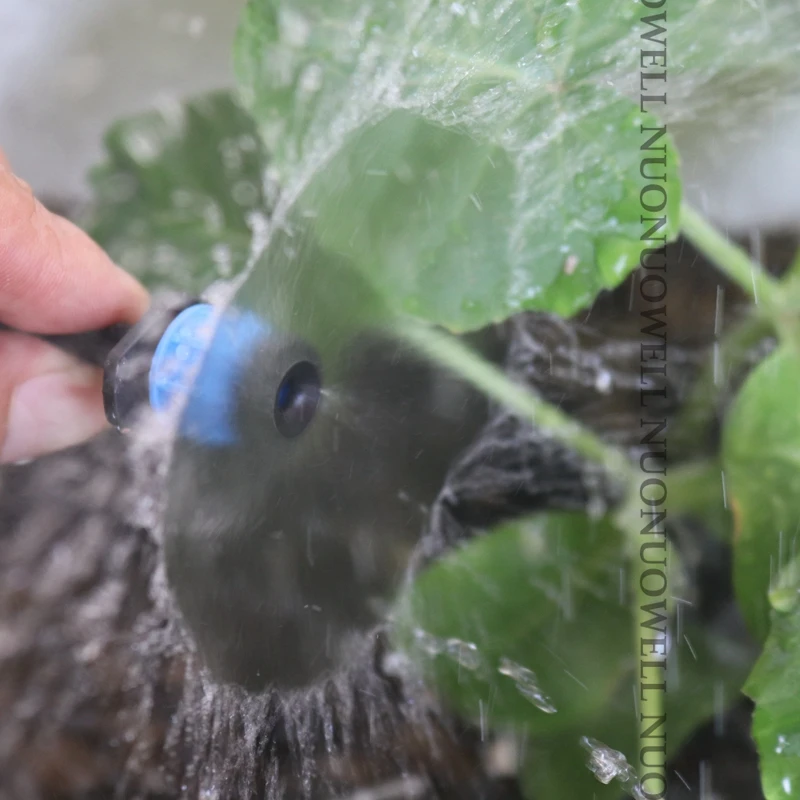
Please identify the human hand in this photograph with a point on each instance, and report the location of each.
(53, 279)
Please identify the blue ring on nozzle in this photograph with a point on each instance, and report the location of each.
(205, 356)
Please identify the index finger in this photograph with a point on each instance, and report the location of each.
(53, 277)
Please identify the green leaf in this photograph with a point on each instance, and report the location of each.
(761, 461)
(180, 192)
(531, 627)
(773, 686)
(558, 765)
(544, 595)
(470, 160)
(705, 672)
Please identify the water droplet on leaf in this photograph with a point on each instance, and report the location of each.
(527, 684)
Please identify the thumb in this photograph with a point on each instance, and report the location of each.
(53, 279)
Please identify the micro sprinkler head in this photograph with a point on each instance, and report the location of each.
(308, 443)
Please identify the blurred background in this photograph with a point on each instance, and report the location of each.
(68, 68)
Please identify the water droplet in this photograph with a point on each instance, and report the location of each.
(571, 264)
(311, 79)
(603, 382)
(221, 256)
(465, 653)
(608, 764)
(294, 28)
(527, 684)
(429, 644)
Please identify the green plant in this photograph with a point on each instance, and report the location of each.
(491, 156)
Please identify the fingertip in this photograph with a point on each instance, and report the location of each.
(53, 277)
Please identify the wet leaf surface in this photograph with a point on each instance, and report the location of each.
(544, 630)
(773, 685)
(530, 628)
(470, 159)
(761, 460)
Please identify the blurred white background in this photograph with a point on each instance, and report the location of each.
(68, 68)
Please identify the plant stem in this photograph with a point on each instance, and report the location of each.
(730, 259)
(453, 354)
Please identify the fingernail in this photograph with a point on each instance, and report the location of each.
(53, 411)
